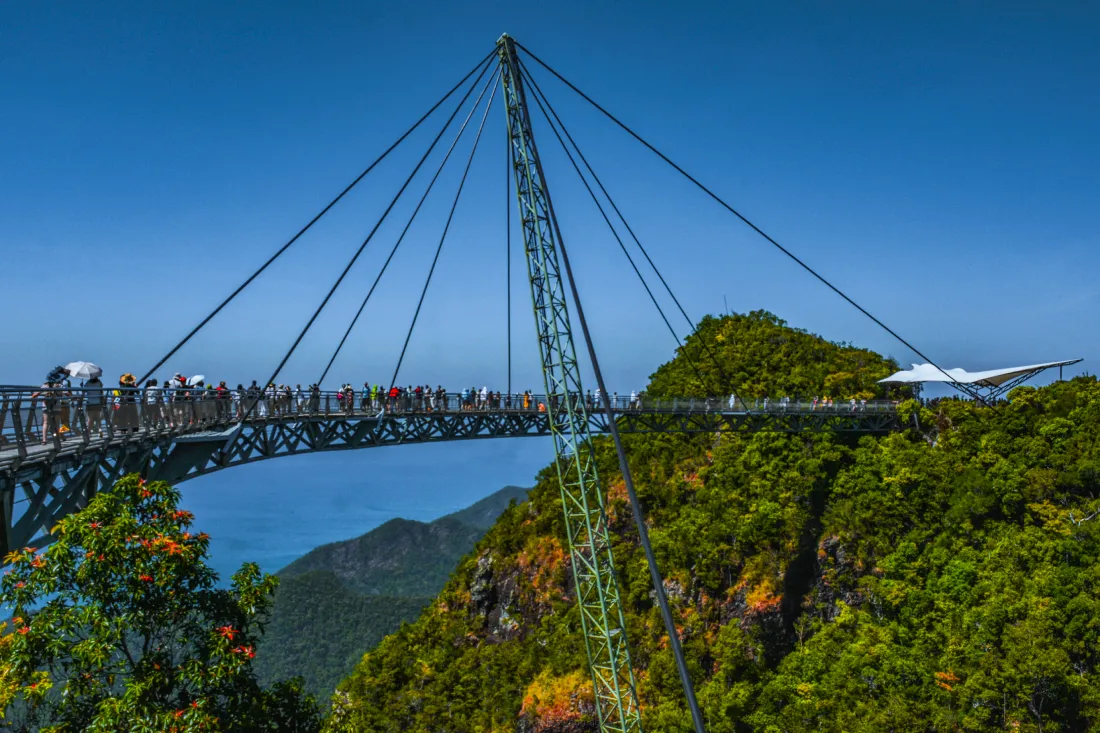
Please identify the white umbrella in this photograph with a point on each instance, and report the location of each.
(195, 380)
(83, 370)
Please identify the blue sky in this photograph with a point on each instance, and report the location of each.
(938, 161)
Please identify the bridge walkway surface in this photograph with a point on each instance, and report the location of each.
(177, 440)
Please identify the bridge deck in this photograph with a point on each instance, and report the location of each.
(176, 441)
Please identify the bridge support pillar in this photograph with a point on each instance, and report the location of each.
(598, 593)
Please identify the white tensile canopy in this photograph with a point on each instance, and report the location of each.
(989, 378)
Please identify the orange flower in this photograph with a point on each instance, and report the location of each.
(227, 631)
(246, 650)
(24, 629)
(179, 713)
(146, 578)
(37, 562)
(94, 525)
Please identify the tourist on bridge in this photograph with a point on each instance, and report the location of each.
(152, 399)
(222, 401)
(93, 405)
(50, 394)
(181, 409)
(126, 410)
(193, 394)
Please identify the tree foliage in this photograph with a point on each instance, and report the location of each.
(757, 355)
(119, 626)
(933, 580)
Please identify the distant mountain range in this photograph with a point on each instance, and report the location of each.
(340, 599)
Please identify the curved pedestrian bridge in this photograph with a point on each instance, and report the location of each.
(57, 450)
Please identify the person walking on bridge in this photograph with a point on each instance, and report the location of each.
(153, 395)
(50, 408)
(93, 405)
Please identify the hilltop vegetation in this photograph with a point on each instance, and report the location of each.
(920, 581)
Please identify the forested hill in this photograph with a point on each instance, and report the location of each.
(340, 599)
(403, 556)
(932, 581)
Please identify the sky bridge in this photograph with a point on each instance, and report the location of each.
(46, 474)
(59, 446)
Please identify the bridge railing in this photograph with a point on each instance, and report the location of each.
(33, 419)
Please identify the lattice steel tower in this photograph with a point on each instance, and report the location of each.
(598, 595)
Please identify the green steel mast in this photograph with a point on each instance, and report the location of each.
(597, 589)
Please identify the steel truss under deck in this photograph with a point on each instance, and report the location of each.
(41, 484)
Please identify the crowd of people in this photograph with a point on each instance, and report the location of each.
(182, 402)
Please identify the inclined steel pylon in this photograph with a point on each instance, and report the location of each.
(598, 594)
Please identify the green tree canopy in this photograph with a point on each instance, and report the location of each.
(940, 579)
(119, 626)
(758, 355)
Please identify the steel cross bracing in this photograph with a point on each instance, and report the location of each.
(598, 594)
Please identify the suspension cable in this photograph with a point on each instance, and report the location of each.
(446, 227)
(615, 233)
(370, 236)
(401, 238)
(313, 221)
(691, 324)
(758, 230)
